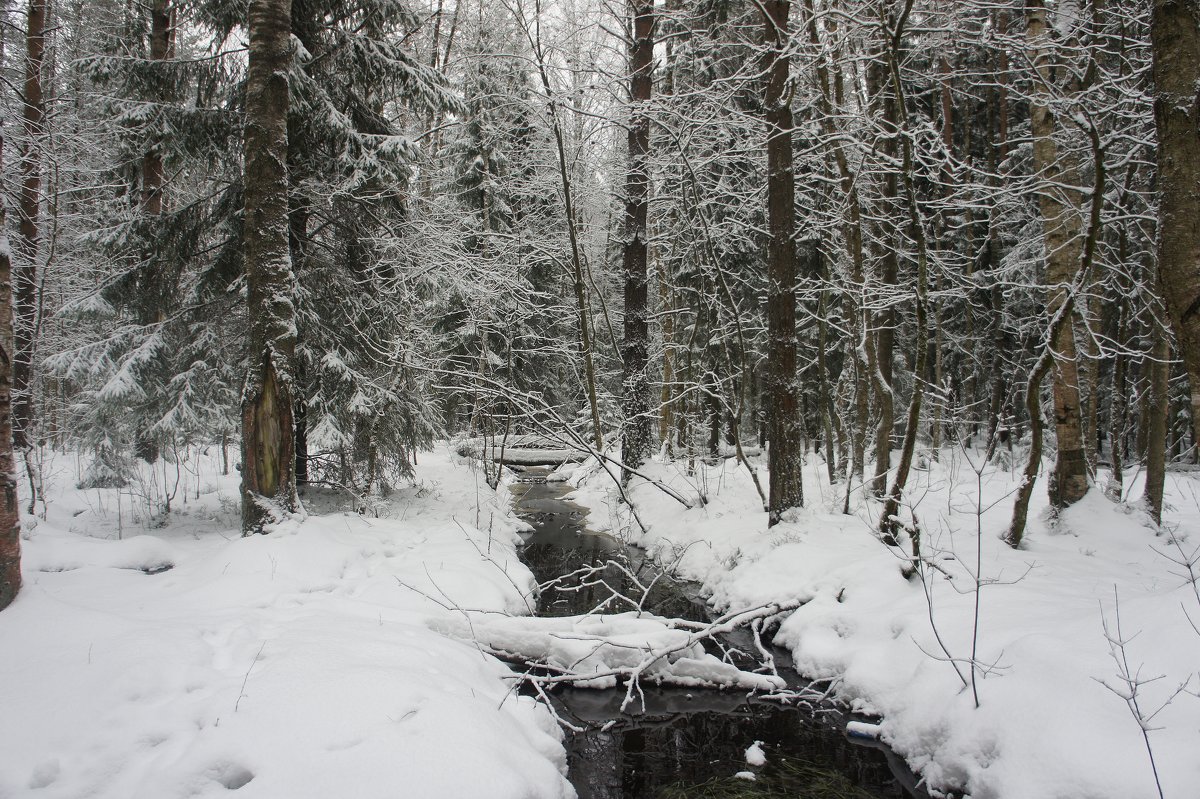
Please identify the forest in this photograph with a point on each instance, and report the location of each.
(875, 324)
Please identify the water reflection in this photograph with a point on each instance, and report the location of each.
(677, 743)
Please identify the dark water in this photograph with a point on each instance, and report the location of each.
(684, 743)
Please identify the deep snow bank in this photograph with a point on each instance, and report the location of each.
(1047, 727)
(297, 664)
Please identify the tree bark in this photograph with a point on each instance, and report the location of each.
(1059, 200)
(25, 273)
(880, 345)
(1175, 46)
(786, 455)
(580, 288)
(636, 440)
(1156, 427)
(10, 509)
(153, 285)
(268, 438)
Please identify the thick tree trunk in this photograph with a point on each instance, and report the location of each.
(786, 455)
(10, 510)
(162, 48)
(268, 438)
(1060, 202)
(1175, 44)
(636, 433)
(25, 272)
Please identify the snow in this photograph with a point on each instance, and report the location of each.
(296, 664)
(352, 655)
(1046, 725)
(863, 730)
(754, 754)
(602, 649)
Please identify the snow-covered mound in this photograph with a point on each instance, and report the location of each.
(297, 664)
(1048, 724)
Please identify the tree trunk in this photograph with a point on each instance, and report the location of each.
(1175, 45)
(580, 288)
(880, 344)
(299, 212)
(1059, 202)
(25, 273)
(916, 230)
(636, 438)
(1120, 399)
(10, 510)
(786, 456)
(1156, 427)
(268, 438)
(153, 292)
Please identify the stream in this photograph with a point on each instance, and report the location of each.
(686, 743)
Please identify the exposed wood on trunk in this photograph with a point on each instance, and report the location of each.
(268, 440)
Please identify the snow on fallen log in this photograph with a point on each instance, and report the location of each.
(863, 730)
(522, 450)
(599, 651)
(518, 456)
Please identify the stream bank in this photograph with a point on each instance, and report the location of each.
(683, 743)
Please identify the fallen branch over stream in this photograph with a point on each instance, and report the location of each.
(604, 650)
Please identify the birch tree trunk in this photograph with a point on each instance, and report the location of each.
(268, 438)
(786, 454)
(1062, 219)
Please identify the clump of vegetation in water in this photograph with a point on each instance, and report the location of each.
(783, 778)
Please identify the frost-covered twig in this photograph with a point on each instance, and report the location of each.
(1130, 682)
(1190, 563)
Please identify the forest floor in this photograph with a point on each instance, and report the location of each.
(181, 660)
(1053, 720)
(291, 665)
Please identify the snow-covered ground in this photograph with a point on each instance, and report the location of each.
(1046, 727)
(331, 658)
(297, 664)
